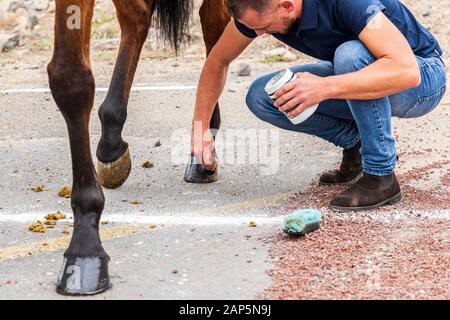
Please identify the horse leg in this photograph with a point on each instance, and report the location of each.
(114, 162)
(85, 268)
(214, 18)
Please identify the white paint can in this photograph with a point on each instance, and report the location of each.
(277, 82)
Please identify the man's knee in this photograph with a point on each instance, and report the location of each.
(257, 99)
(320, 69)
(352, 56)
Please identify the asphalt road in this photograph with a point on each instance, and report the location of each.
(202, 230)
(202, 246)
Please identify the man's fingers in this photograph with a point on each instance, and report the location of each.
(285, 89)
(209, 156)
(284, 98)
(291, 85)
(211, 167)
(297, 111)
(198, 156)
(291, 104)
(208, 159)
(210, 162)
(203, 148)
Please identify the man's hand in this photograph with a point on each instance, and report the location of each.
(203, 147)
(211, 83)
(306, 91)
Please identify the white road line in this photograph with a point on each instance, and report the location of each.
(207, 220)
(168, 220)
(105, 89)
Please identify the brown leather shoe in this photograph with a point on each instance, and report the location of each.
(350, 170)
(370, 192)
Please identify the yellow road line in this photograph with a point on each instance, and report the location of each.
(61, 243)
(260, 202)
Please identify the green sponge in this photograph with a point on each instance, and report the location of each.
(303, 221)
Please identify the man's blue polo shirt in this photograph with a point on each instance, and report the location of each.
(326, 24)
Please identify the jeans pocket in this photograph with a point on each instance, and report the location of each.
(425, 105)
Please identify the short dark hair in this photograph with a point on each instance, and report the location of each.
(237, 7)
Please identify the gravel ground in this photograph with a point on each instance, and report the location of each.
(364, 260)
(396, 252)
(399, 252)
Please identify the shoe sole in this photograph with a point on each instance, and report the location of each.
(395, 199)
(348, 183)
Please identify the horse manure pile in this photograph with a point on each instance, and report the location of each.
(65, 192)
(37, 227)
(38, 188)
(55, 216)
(252, 224)
(148, 164)
(50, 222)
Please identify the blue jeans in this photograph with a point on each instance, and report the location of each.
(346, 122)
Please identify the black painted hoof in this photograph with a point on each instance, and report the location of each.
(113, 175)
(83, 276)
(196, 173)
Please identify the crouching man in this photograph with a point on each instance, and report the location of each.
(376, 61)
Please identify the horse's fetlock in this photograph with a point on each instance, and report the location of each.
(88, 199)
(112, 116)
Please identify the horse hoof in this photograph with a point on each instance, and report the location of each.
(83, 276)
(113, 175)
(196, 173)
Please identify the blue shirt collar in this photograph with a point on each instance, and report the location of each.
(310, 16)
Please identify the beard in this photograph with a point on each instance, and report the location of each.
(289, 24)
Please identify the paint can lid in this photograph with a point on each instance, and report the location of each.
(279, 80)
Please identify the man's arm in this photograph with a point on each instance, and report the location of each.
(214, 74)
(211, 84)
(395, 70)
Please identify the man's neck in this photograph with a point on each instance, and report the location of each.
(298, 9)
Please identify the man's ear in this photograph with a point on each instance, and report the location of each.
(287, 5)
